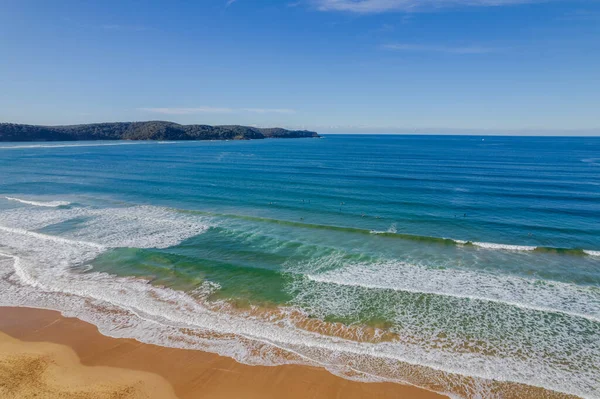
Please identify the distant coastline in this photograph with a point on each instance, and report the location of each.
(152, 130)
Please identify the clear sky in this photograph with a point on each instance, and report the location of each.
(330, 65)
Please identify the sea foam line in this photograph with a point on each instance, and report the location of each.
(393, 233)
(48, 204)
(22, 273)
(521, 292)
(14, 147)
(48, 237)
(520, 305)
(506, 247)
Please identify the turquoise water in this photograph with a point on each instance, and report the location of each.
(465, 265)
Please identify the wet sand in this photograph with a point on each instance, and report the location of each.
(125, 368)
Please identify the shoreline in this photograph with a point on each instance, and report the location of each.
(190, 372)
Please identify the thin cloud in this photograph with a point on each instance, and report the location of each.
(188, 111)
(215, 110)
(230, 2)
(439, 49)
(269, 110)
(380, 6)
(581, 15)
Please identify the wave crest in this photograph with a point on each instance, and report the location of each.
(48, 204)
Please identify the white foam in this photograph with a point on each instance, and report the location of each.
(33, 218)
(486, 245)
(50, 204)
(537, 344)
(516, 248)
(391, 230)
(546, 296)
(40, 275)
(509, 247)
(23, 146)
(483, 245)
(55, 239)
(137, 227)
(135, 309)
(506, 247)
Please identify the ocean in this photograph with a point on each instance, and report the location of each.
(465, 265)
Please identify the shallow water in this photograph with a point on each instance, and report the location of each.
(464, 265)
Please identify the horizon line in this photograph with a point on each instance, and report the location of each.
(358, 130)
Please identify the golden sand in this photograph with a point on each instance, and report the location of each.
(46, 370)
(57, 357)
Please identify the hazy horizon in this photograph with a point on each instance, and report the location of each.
(349, 130)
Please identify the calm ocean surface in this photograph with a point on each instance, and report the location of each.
(465, 265)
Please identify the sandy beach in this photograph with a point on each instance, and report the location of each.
(44, 353)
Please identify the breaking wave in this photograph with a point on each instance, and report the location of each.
(526, 293)
(44, 270)
(49, 204)
(392, 233)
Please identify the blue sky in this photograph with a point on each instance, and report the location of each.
(330, 65)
